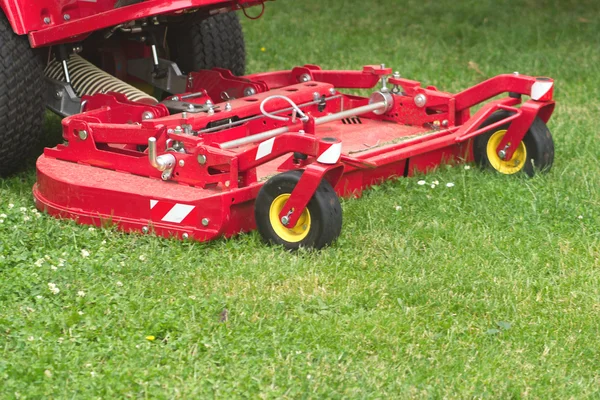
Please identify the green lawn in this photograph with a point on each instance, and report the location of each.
(490, 288)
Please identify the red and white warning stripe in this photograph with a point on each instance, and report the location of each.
(175, 213)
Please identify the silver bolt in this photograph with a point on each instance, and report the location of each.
(445, 123)
(175, 98)
(332, 91)
(285, 220)
(502, 154)
(169, 130)
(66, 17)
(185, 236)
(205, 221)
(146, 115)
(165, 176)
(58, 94)
(184, 115)
(228, 106)
(396, 75)
(209, 103)
(420, 100)
(202, 159)
(301, 131)
(47, 20)
(83, 135)
(516, 73)
(249, 91)
(178, 129)
(145, 229)
(304, 78)
(316, 96)
(227, 183)
(181, 163)
(191, 107)
(382, 66)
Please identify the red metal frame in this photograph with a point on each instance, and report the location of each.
(49, 22)
(103, 173)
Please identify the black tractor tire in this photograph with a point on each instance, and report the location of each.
(205, 43)
(22, 98)
(320, 223)
(538, 145)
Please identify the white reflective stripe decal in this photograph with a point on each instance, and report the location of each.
(265, 148)
(540, 88)
(153, 203)
(178, 213)
(331, 155)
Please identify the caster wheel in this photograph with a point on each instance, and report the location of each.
(535, 152)
(318, 226)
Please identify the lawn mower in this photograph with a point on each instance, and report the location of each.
(221, 154)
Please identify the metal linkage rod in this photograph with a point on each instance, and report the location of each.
(318, 121)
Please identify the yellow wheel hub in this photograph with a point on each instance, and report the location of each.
(292, 235)
(512, 166)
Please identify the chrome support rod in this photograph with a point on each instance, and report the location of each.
(318, 121)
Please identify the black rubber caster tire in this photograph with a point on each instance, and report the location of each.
(535, 154)
(319, 226)
(214, 42)
(22, 99)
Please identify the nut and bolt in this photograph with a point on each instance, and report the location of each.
(201, 159)
(145, 229)
(175, 98)
(58, 94)
(516, 73)
(47, 20)
(396, 75)
(205, 221)
(420, 100)
(332, 91)
(304, 78)
(285, 220)
(184, 115)
(316, 96)
(181, 163)
(66, 17)
(445, 123)
(146, 115)
(249, 91)
(82, 134)
(178, 130)
(502, 154)
(185, 236)
(228, 106)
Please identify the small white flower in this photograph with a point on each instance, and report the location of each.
(51, 285)
(38, 297)
(103, 242)
(85, 253)
(30, 309)
(55, 290)
(53, 268)
(433, 186)
(421, 183)
(39, 262)
(23, 209)
(467, 167)
(93, 374)
(31, 338)
(80, 312)
(61, 339)
(449, 184)
(193, 297)
(47, 257)
(1, 221)
(309, 376)
(122, 263)
(119, 283)
(91, 229)
(580, 217)
(436, 182)
(398, 208)
(11, 206)
(88, 365)
(61, 262)
(142, 257)
(81, 293)
(3, 215)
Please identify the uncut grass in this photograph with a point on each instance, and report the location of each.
(487, 288)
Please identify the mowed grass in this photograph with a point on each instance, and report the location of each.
(489, 288)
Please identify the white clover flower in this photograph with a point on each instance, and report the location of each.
(81, 293)
(61, 262)
(3, 216)
(30, 309)
(51, 285)
(142, 257)
(436, 182)
(91, 229)
(31, 338)
(193, 297)
(103, 242)
(38, 297)
(60, 339)
(55, 290)
(580, 217)
(398, 208)
(23, 209)
(421, 183)
(449, 184)
(93, 374)
(433, 186)
(47, 257)
(80, 312)
(85, 253)
(1, 221)
(26, 218)
(119, 283)
(467, 167)
(53, 268)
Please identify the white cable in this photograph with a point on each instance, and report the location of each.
(303, 116)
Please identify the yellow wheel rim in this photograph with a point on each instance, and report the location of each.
(292, 235)
(512, 166)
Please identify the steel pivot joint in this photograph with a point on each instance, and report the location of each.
(164, 163)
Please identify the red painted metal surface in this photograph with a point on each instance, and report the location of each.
(51, 22)
(104, 173)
